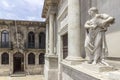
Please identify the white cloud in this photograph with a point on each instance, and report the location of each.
(34, 18)
(21, 9)
(31, 18)
(6, 4)
(11, 15)
(34, 3)
(8, 16)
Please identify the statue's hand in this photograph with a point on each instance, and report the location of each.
(112, 21)
(108, 22)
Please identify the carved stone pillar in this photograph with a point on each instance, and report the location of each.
(51, 60)
(51, 34)
(36, 40)
(47, 38)
(74, 46)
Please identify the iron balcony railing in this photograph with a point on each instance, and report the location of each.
(25, 46)
(5, 44)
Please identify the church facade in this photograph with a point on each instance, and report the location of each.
(22, 47)
(65, 37)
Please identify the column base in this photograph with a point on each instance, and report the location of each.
(51, 67)
(74, 60)
(51, 56)
(51, 74)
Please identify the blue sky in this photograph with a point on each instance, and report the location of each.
(21, 9)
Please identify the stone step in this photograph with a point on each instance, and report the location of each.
(18, 74)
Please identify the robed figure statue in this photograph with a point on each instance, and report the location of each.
(95, 42)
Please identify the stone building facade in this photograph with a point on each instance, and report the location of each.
(65, 36)
(22, 47)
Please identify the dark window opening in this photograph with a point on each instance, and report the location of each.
(5, 39)
(41, 58)
(31, 58)
(31, 40)
(65, 45)
(5, 58)
(42, 40)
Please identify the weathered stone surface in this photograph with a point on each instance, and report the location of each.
(98, 67)
(51, 67)
(23, 28)
(69, 73)
(114, 75)
(28, 77)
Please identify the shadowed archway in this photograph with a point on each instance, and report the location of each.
(18, 62)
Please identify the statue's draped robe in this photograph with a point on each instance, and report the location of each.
(95, 42)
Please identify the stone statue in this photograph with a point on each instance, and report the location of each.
(19, 41)
(95, 42)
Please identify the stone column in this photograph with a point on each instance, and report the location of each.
(51, 34)
(36, 40)
(47, 38)
(11, 62)
(50, 59)
(74, 28)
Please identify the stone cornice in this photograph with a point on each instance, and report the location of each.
(21, 22)
(47, 5)
(63, 30)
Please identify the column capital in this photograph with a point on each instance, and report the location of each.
(52, 9)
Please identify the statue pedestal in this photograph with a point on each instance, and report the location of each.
(114, 75)
(97, 67)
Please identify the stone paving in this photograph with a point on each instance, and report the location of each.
(28, 77)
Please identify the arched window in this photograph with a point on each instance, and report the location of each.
(31, 40)
(5, 58)
(42, 40)
(5, 39)
(31, 58)
(41, 58)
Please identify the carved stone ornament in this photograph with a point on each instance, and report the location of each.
(18, 40)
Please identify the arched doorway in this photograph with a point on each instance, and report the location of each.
(18, 62)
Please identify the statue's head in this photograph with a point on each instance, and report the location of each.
(92, 11)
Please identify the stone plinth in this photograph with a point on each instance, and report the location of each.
(73, 62)
(114, 75)
(72, 73)
(51, 67)
(86, 71)
(97, 67)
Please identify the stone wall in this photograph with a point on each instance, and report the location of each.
(4, 70)
(7, 69)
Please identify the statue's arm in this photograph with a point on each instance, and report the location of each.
(107, 19)
(87, 24)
